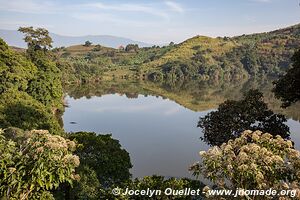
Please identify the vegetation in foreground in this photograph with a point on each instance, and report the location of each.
(37, 164)
(233, 117)
(40, 164)
(255, 160)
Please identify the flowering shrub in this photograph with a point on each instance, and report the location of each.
(34, 162)
(255, 160)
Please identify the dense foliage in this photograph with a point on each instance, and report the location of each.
(104, 155)
(46, 86)
(256, 55)
(15, 70)
(103, 164)
(255, 160)
(152, 182)
(19, 109)
(158, 183)
(30, 86)
(287, 88)
(34, 162)
(232, 117)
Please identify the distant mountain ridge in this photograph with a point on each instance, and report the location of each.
(15, 38)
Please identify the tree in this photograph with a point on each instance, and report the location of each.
(87, 43)
(232, 117)
(171, 44)
(254, 160)
(34, 162)
(15, 70)
(104, 155)
(88, 187)
(249, 62)
(36, 38)
(132, 48)
(46, 85)
(18, 109)
(287, 87)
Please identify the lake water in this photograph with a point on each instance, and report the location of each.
(160, 135)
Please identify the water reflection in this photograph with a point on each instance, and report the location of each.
(160, 135)
(155, 124)
(196, 96)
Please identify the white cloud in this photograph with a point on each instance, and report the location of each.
(143, 8)
(28, 6)
(112, 12)
(174, 6)
(108, 18)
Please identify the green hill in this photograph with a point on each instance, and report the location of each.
(227, 58)
(200, 57)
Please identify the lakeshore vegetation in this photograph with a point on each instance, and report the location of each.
(39, 160)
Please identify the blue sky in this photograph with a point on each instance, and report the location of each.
(155, 21)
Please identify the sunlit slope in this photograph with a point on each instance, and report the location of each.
(185, 51)
(255, 54)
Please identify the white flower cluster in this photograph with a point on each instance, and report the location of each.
(255, 160)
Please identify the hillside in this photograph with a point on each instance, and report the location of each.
(227, 58)
(15, 38)
(198, 58)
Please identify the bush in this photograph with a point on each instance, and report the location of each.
(255, 160)
(18, 109)
(232, 117)
(34, 162)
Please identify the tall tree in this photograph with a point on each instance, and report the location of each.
(233, 117)
(46, 85)
(287, 88)
(36, 38)
(104, 155)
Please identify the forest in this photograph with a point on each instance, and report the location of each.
(39, 160)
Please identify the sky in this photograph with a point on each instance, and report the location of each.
(152, 21)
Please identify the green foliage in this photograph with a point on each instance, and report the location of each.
(287, 88)
(83, 65)
(88, 187)
(154, 183)
(36, 39)
(18, 109)
(30, 90)
(104, 155)
(255, 160)
(204, 58)
(132, 48)
(161, 183)
(232, 117)
(87, 44)
(230, 59)
(46, 86)
(97, 47)
(15, 70)
(34, 162)
(250, 62)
